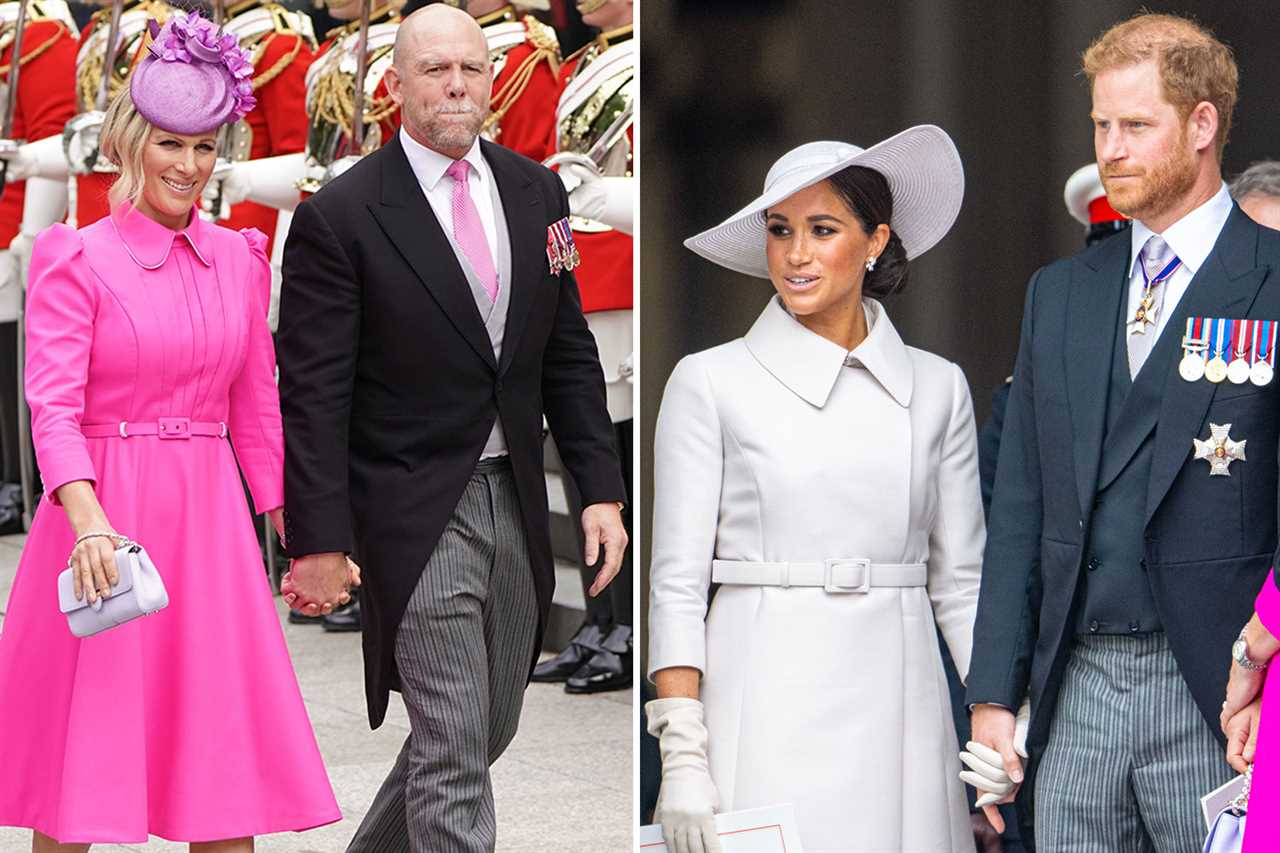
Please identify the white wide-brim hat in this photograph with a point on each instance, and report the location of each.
(921, 165)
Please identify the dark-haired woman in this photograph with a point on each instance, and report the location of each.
(825, 476)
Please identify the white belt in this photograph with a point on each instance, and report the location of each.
(840, 576)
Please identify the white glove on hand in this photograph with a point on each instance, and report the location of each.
(587, 193)
(986, 769)
(687, 800)
(20, 251)
(21, 164)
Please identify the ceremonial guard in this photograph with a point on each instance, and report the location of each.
(593, 142)
(282, 44)
(526, 65)
(38, 101)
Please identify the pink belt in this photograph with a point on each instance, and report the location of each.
(165, 428)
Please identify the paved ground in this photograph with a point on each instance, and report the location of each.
(564, 785)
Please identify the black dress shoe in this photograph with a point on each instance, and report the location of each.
(584, 644)
(608, 669)
(345, 618)
(297, 617)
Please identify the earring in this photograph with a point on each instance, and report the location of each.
(871, 263)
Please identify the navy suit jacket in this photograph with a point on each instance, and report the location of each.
(1208, 541)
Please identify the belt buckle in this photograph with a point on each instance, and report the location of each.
(861, 588)
(171, 428)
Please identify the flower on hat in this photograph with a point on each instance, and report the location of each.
(193, 38)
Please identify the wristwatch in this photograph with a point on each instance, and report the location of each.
(1240, 654)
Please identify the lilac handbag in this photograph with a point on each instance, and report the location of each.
(1227, 833)
(140, 591)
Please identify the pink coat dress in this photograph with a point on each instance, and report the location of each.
(186, 724)
(1262, 827)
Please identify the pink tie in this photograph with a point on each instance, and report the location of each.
(468, 231)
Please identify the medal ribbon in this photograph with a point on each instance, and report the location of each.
(1220, 328)
(1242, 336)
(1169, 270)
(1266, 342)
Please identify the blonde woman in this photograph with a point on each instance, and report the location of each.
(150, 379)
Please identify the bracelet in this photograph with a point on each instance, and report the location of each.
(102, 534)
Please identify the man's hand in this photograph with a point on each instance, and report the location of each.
(1242, 735)
(602, 525)
(317, 583)
(989, 754)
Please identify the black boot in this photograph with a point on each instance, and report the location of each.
(345, 618)
(584, 644)
(297, 617)
(609, 668)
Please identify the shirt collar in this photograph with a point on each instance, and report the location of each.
(429, 166)
(809, 364)
(1191, 238)
(148, 242)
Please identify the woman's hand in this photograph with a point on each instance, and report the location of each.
(94, 564)
(94, 559)
(1242, 735)
(687, 799)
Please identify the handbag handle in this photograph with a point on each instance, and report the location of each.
(1240, 804)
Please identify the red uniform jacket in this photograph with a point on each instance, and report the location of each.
(530, 94)
(279, 121)
(46, 101)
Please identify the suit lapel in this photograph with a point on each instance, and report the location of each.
(1225, 286)
(1097, 288)
(526, 224)
(409, 222)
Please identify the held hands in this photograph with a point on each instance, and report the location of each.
(602, 526)
(687, 800)
(1242, 735)
(994, 756)
(317, 583)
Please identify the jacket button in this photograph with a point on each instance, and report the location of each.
(1142, 563)
(1093, 626)
(1094, 564)
(498, 387)
(1133, 627)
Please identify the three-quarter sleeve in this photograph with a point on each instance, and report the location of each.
(958, 533)
(62, 302)
(688, 473)
(254, 417)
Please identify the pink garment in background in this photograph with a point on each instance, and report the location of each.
(188, 723)
(1262, 826)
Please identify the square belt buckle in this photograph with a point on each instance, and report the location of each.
(170, 428)
(862, 587)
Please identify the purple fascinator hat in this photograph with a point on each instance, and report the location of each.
(192, 80)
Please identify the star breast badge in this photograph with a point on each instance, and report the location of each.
(1220, 450)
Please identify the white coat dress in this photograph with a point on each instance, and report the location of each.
(775, 447)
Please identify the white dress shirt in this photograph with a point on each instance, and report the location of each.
(1191, 238)
(429, 168)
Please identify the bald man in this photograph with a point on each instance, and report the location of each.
(429, 320)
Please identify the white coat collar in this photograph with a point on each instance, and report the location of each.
(809, 364)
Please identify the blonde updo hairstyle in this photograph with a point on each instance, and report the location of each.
(123, 140)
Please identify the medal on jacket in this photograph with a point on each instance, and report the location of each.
(1220, 450)
(1194, 344)
(562, 253)
(1145, 315)
(1264, 352)
(1238, 370)
(1216, 369)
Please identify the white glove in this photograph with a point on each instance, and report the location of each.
(986, 769)
(687, 800)
(604, 199)
(42, 158)
(80, 142)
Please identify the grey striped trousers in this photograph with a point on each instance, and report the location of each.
(463, 650)
(1129, 754)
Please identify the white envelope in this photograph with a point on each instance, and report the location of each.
(771, 829)
(1216, 800)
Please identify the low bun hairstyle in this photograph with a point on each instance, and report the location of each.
(866, 193)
